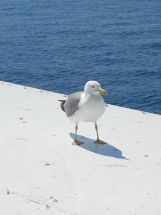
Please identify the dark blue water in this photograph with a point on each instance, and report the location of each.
(58, 45)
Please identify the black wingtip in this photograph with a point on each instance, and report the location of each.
(62, 104)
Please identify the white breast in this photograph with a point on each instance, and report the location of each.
(91, 107)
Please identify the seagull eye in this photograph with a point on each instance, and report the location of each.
(93, 86)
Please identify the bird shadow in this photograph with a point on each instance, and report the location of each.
(105, 149)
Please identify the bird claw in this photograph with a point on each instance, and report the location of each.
(100, 142)
(76, 142)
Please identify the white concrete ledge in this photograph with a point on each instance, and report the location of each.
(41, 172)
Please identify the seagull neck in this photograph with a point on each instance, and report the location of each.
(91, 94)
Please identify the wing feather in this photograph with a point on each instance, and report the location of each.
(71, 104)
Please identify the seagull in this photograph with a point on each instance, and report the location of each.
(87, 106)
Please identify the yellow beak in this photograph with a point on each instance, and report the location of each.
(102, 91)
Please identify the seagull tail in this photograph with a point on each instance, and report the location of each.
(62, 104)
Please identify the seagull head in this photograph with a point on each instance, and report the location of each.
(93, 87)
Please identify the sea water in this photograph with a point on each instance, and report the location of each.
(59, 45)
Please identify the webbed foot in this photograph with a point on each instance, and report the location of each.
(100, 142)
(76, 142)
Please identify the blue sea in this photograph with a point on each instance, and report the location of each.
(59, 45)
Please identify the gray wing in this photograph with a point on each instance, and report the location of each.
(71, 104)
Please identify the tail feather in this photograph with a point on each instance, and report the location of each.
(62, 104)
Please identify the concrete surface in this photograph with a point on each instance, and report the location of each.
(42, 173)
